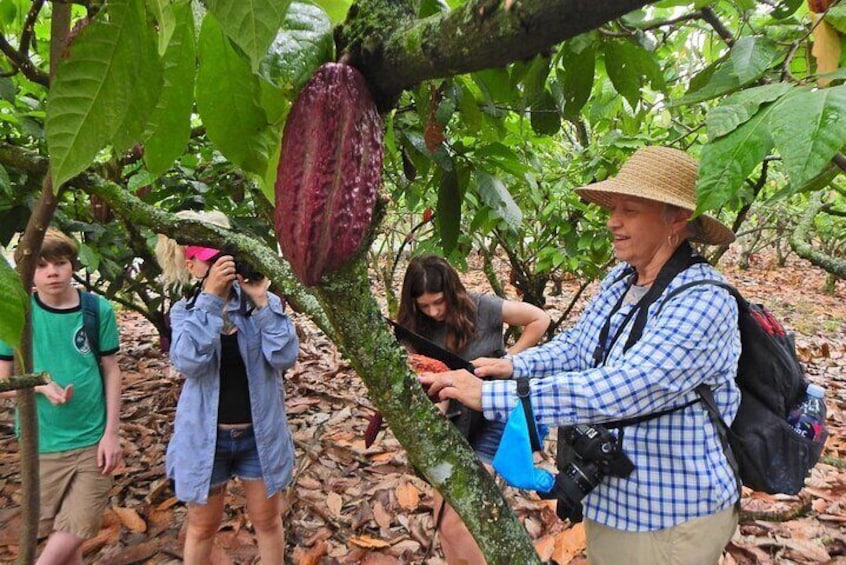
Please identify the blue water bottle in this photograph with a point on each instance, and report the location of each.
(808, 418)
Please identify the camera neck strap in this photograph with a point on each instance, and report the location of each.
(682, 258)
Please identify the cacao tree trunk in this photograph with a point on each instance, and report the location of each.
(434, 447)
(26, 258)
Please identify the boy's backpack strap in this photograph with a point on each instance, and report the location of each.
(91, 320)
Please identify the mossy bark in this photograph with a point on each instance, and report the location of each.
(800, 241)
(135, 211)
(477, 35)
(434, 447)
(18, 382)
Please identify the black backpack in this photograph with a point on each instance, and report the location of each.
(765, 451)
(91, 320)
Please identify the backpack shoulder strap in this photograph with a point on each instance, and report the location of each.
(741, 302)
(681, 259)
(91, 320)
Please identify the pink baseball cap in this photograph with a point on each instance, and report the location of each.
(201, 253)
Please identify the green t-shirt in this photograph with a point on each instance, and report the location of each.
(61, 348)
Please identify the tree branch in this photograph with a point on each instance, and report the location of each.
(29, 27)
(799, 241)
(711, 18)
(135, 211)
(414, 50)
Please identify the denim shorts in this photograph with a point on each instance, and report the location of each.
(487, 439)
(235, 455)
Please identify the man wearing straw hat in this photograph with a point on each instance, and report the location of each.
(678, 505)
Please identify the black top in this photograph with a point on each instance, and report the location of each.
(234, 406)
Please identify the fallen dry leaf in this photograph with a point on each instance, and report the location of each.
(368, 542)
(408, 496)
(130, 518)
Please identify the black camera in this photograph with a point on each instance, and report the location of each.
(587, 454)
(242, 268)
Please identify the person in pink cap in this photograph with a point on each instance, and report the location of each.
(231, 340)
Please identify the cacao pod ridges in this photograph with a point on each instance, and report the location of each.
(329, 172)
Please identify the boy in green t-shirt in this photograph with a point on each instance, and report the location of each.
(78, 412)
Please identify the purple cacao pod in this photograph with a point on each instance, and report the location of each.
(329, 172)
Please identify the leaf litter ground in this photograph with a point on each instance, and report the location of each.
(351, 504)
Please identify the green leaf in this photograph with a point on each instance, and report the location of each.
(749, 59)
(471, 115)
(169, 126)
(89, 258)
(808, 129)
(495, 85)
(836, 16)
(450, 197)
(545, 118)
(494, 194)
(431, 7)
(140, 179)
(7, 89)
(93, 89)
(786, 8)
(725, 163)
(578, 81)
(12, 307)
(752, 56)
(227, 98)
(141, 56)
(738, 108)
(534, 82)
(336, 9)
(304, 43)
(163, 12)
(621, 65)
(250, 24)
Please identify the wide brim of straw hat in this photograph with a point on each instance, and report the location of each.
(662, 174)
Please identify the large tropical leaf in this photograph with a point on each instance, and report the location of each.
(142, 57)
(92, 90)
(577, 80)
(450, 197)
(304, 43)
(545, 119)
(251, 24)
(749, 59)
(808, 129)
(726, 162)
(163, 11)
(629, 65)
(12, 307)
(228, 99)
(496, 196)
(169, 127)
(738, 108)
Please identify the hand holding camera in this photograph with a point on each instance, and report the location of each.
(221, 273)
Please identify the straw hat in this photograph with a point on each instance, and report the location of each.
(665, 175)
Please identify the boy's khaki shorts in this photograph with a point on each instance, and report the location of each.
(73, 492)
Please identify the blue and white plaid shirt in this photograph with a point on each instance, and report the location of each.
(680, 471)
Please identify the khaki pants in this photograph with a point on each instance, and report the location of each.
(696, 542)
(73, 492)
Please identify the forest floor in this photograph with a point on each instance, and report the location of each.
(351, 504)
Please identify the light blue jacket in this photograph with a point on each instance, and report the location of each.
(268, 345)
